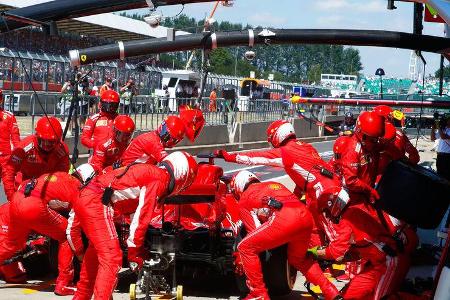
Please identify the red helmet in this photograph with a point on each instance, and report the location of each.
(333, 201)
(384, 111)
(280, 131)
(182, 167)
(48, 132)
(109, 101)
(370, 124)
(193, 120)
(171, 131)
(389, 133)
(123, 128)
(339, 146)
(241, 181)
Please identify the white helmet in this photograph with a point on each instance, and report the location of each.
(182, 167)
(240, 182)
(86, 172)
(279, 131)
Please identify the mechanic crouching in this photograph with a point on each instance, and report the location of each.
(273, 216)
(29, 212)
(138, 189)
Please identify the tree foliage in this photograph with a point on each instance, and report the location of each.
(295, 63)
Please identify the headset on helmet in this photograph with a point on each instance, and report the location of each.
(339, 146)
(48, 132)
(182, 168)
(109, 101)
(241, 181)
(171, 131)
(123, 128)
(85, 172)
(280, 131)
(333, 201)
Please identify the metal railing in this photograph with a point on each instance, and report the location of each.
(149, 111)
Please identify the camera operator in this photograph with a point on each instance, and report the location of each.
(127, 92)
(441, 131)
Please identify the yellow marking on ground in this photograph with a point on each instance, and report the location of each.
(29, 291)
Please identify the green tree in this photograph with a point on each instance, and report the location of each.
(446, 72)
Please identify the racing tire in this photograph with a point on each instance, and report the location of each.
(132, 291)
(53, 247)
(278, 274)
(179, 294)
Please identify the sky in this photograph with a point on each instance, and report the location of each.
(324, 14)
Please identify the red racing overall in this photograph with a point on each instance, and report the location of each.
(291, 225)
(136, 189)
(145, 148)
(28, 159)
(31, 213)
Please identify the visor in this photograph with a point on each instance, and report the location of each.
(47, 145)
(166, 138)
(109, 107)
(339, 204)
(122, 137)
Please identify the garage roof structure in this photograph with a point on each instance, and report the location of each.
(106, 25)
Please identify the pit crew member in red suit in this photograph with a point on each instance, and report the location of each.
(273, 216)
(401, 146)
(29, 212)
(9, 138)
(149, 147)
(40, 153)
(137, 188)
(97, 128)
(13, 272)
(360, 235)
(109, 152)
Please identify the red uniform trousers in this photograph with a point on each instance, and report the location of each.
(291, 225)
(103, 258)
(32, 214)
(8, 185)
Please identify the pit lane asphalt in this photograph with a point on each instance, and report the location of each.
(42, 288)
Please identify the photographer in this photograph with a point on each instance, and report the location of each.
(441, 131)
(127, 92)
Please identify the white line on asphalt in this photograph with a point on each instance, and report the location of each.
(242, 169)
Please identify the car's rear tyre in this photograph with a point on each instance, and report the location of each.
(279, 276)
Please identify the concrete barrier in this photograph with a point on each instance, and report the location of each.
(252, 132)
(305, 129)
(210, 135)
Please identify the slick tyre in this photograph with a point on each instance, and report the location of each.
(279, 276)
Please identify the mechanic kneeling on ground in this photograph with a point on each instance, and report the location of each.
(29, 212)
(138, 189)
(273, 216)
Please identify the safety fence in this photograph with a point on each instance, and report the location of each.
(149, 111)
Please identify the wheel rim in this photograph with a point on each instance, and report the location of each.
(179, 292)
(133, 291)
(291, 274)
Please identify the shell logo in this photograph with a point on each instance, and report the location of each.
(275, 186)
(51, 178)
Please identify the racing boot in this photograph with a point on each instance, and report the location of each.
(64, 285)
(314, 275)
(257, 296)
(64, 290)
(13, 272)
